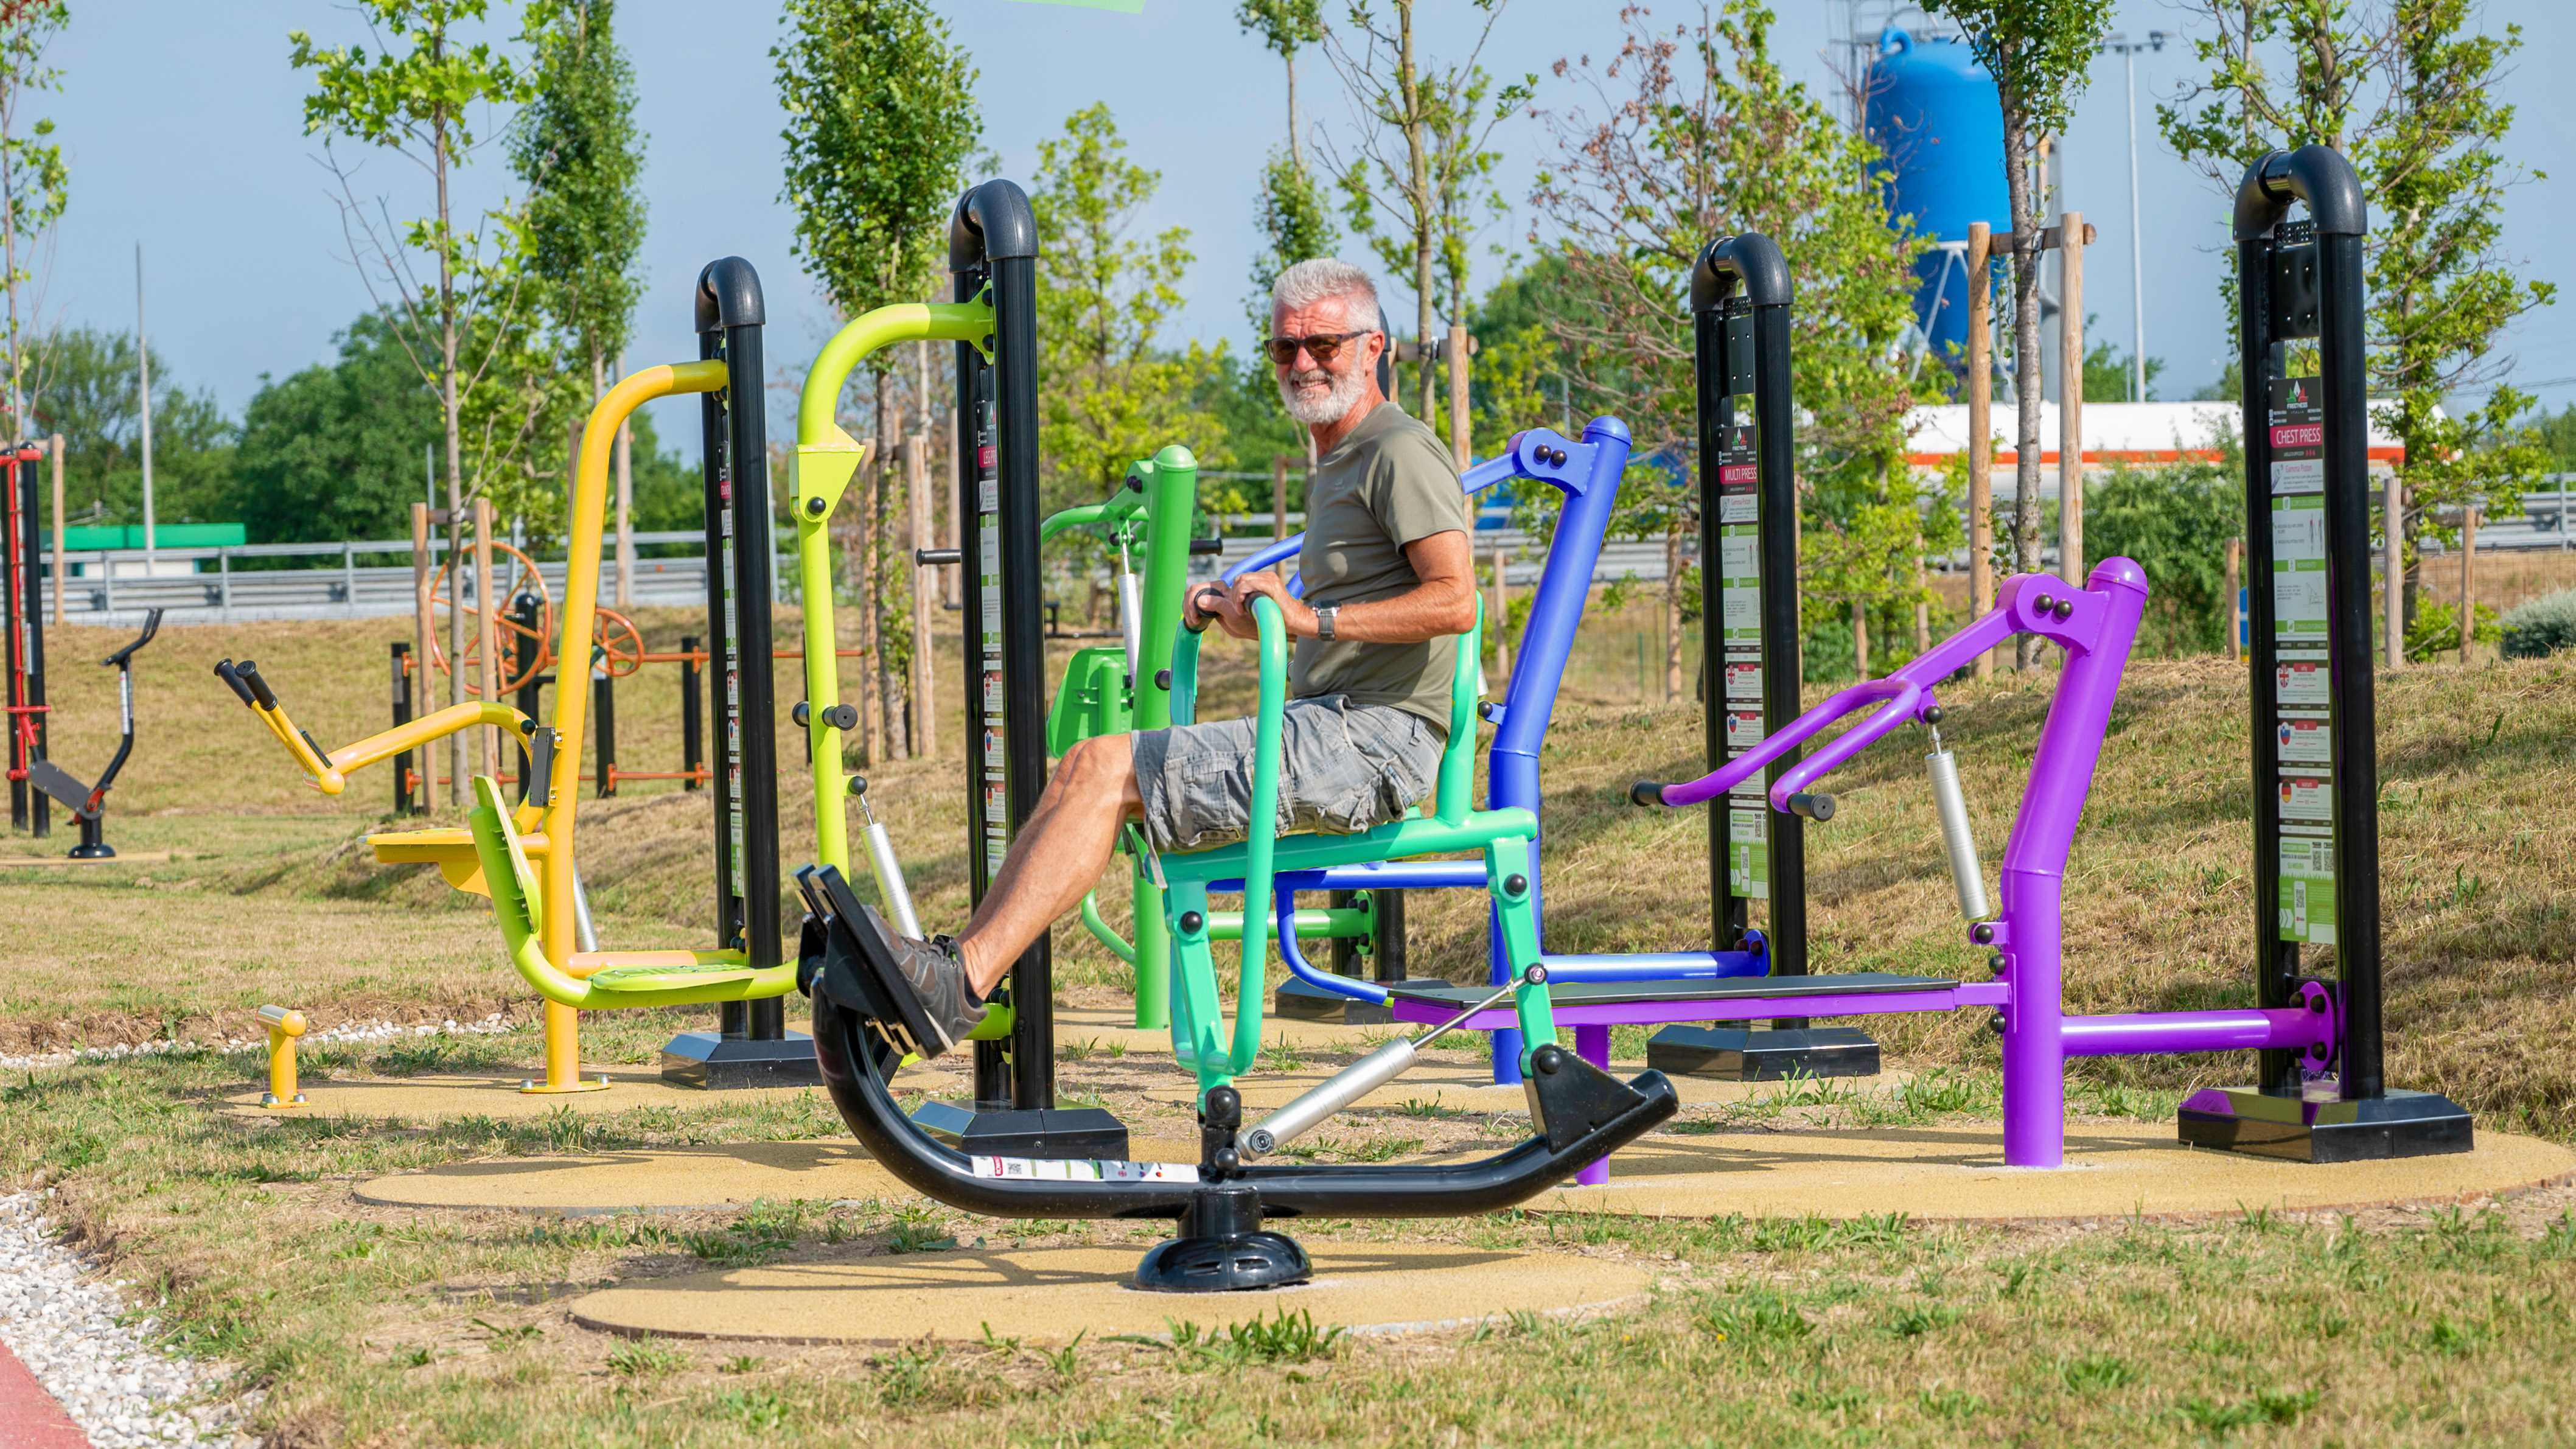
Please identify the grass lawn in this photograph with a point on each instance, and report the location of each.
(368, 1325)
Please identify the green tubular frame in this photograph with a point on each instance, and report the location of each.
(1200, 1041)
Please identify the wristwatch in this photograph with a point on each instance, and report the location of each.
(1324, 621)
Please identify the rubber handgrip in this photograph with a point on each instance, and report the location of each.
(935, 556)
(1814, 806)
(224, 672)
(248, 673)
(1647, 793)
(1205, 547)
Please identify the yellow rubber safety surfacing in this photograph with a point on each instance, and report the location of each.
(1048, 1295)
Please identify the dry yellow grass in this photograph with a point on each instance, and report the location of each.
(2477, 835)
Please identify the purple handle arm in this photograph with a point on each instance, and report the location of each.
(1906, 691)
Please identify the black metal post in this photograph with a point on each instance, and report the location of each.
(693, 725)
(603, 709)
(751, 1046)
(2315, 755)
(1741, 295)
(402, 716)
(527, 611)
(992, 244)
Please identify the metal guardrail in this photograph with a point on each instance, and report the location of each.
(117, 593)
(110, 588)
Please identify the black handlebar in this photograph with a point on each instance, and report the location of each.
(1646, 793)
(1206, 547)
(151, 626)
(245, 680)
(930, 557)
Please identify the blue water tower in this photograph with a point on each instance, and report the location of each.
(1932, 110)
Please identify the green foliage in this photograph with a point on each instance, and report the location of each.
(335, 451)
(576, 147)
(1705, 137)
(2175, 521)
(2435, 630)
(1418, 183)
(2409, 96)
(2556, 434)
(1295, 226)
(34, 182)
(2539, 627)
(1107, 395)
(646, 1358)
(2107, 371)
(880, 121)
(84, 390)
(2038, 51)
(1288, 1338)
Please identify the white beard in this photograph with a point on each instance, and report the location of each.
(1330, 408)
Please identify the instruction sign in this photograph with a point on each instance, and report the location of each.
(2302, 725)
(1739, 592)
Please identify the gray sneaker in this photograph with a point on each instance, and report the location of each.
(937, 976)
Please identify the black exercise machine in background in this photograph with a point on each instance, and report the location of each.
(88, 803)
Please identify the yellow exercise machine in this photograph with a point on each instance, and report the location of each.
(548, 949)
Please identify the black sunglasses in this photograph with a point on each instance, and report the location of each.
(1321, 347)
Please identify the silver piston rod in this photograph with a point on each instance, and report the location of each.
(889, 871)
(1131, 616)
(1961, 843)
(1348, 1085)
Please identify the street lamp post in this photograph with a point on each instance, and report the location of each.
(2128, 49)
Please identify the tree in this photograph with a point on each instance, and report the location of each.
(1695, 134)
(2038, 52)
(576, 147)
(337, 450)
(2409, 99)
(1107, 394)
(880, 121)
(34, 184)
(412, 97)
(88, 396)
(1419, 205)
(1295, 223)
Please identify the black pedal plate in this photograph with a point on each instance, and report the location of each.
(2400, 1124)
(1757, 1054)
(714, 1063)
(1297, 1000)
(1077, 1132)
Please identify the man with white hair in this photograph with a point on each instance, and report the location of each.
(1389, 585)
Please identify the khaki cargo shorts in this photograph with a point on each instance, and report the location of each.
(1346, 767)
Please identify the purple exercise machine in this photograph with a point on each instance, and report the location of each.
(2320, 1096)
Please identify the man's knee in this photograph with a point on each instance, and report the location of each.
(1102, 768)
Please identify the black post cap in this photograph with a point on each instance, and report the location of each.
(729, 296)
(2317, 175)
(1749, 258)
(992, 221)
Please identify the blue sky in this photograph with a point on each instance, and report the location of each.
(181, 123)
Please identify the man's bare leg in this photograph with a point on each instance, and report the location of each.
(1057, 858)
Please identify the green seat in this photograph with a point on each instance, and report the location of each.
(1199, 1037)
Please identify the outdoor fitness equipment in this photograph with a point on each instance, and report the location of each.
(1740, 298)
(865, 1021)
(22, 610)
(88, 803)
(2321, 1098)
(747, 974)
(2316, 763)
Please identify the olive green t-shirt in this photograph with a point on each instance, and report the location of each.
(1388, 484)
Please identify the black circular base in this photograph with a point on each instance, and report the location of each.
(93, 852)
(1223, 1265)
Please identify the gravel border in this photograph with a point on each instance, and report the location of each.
(72, 1330)
(364, 1032)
